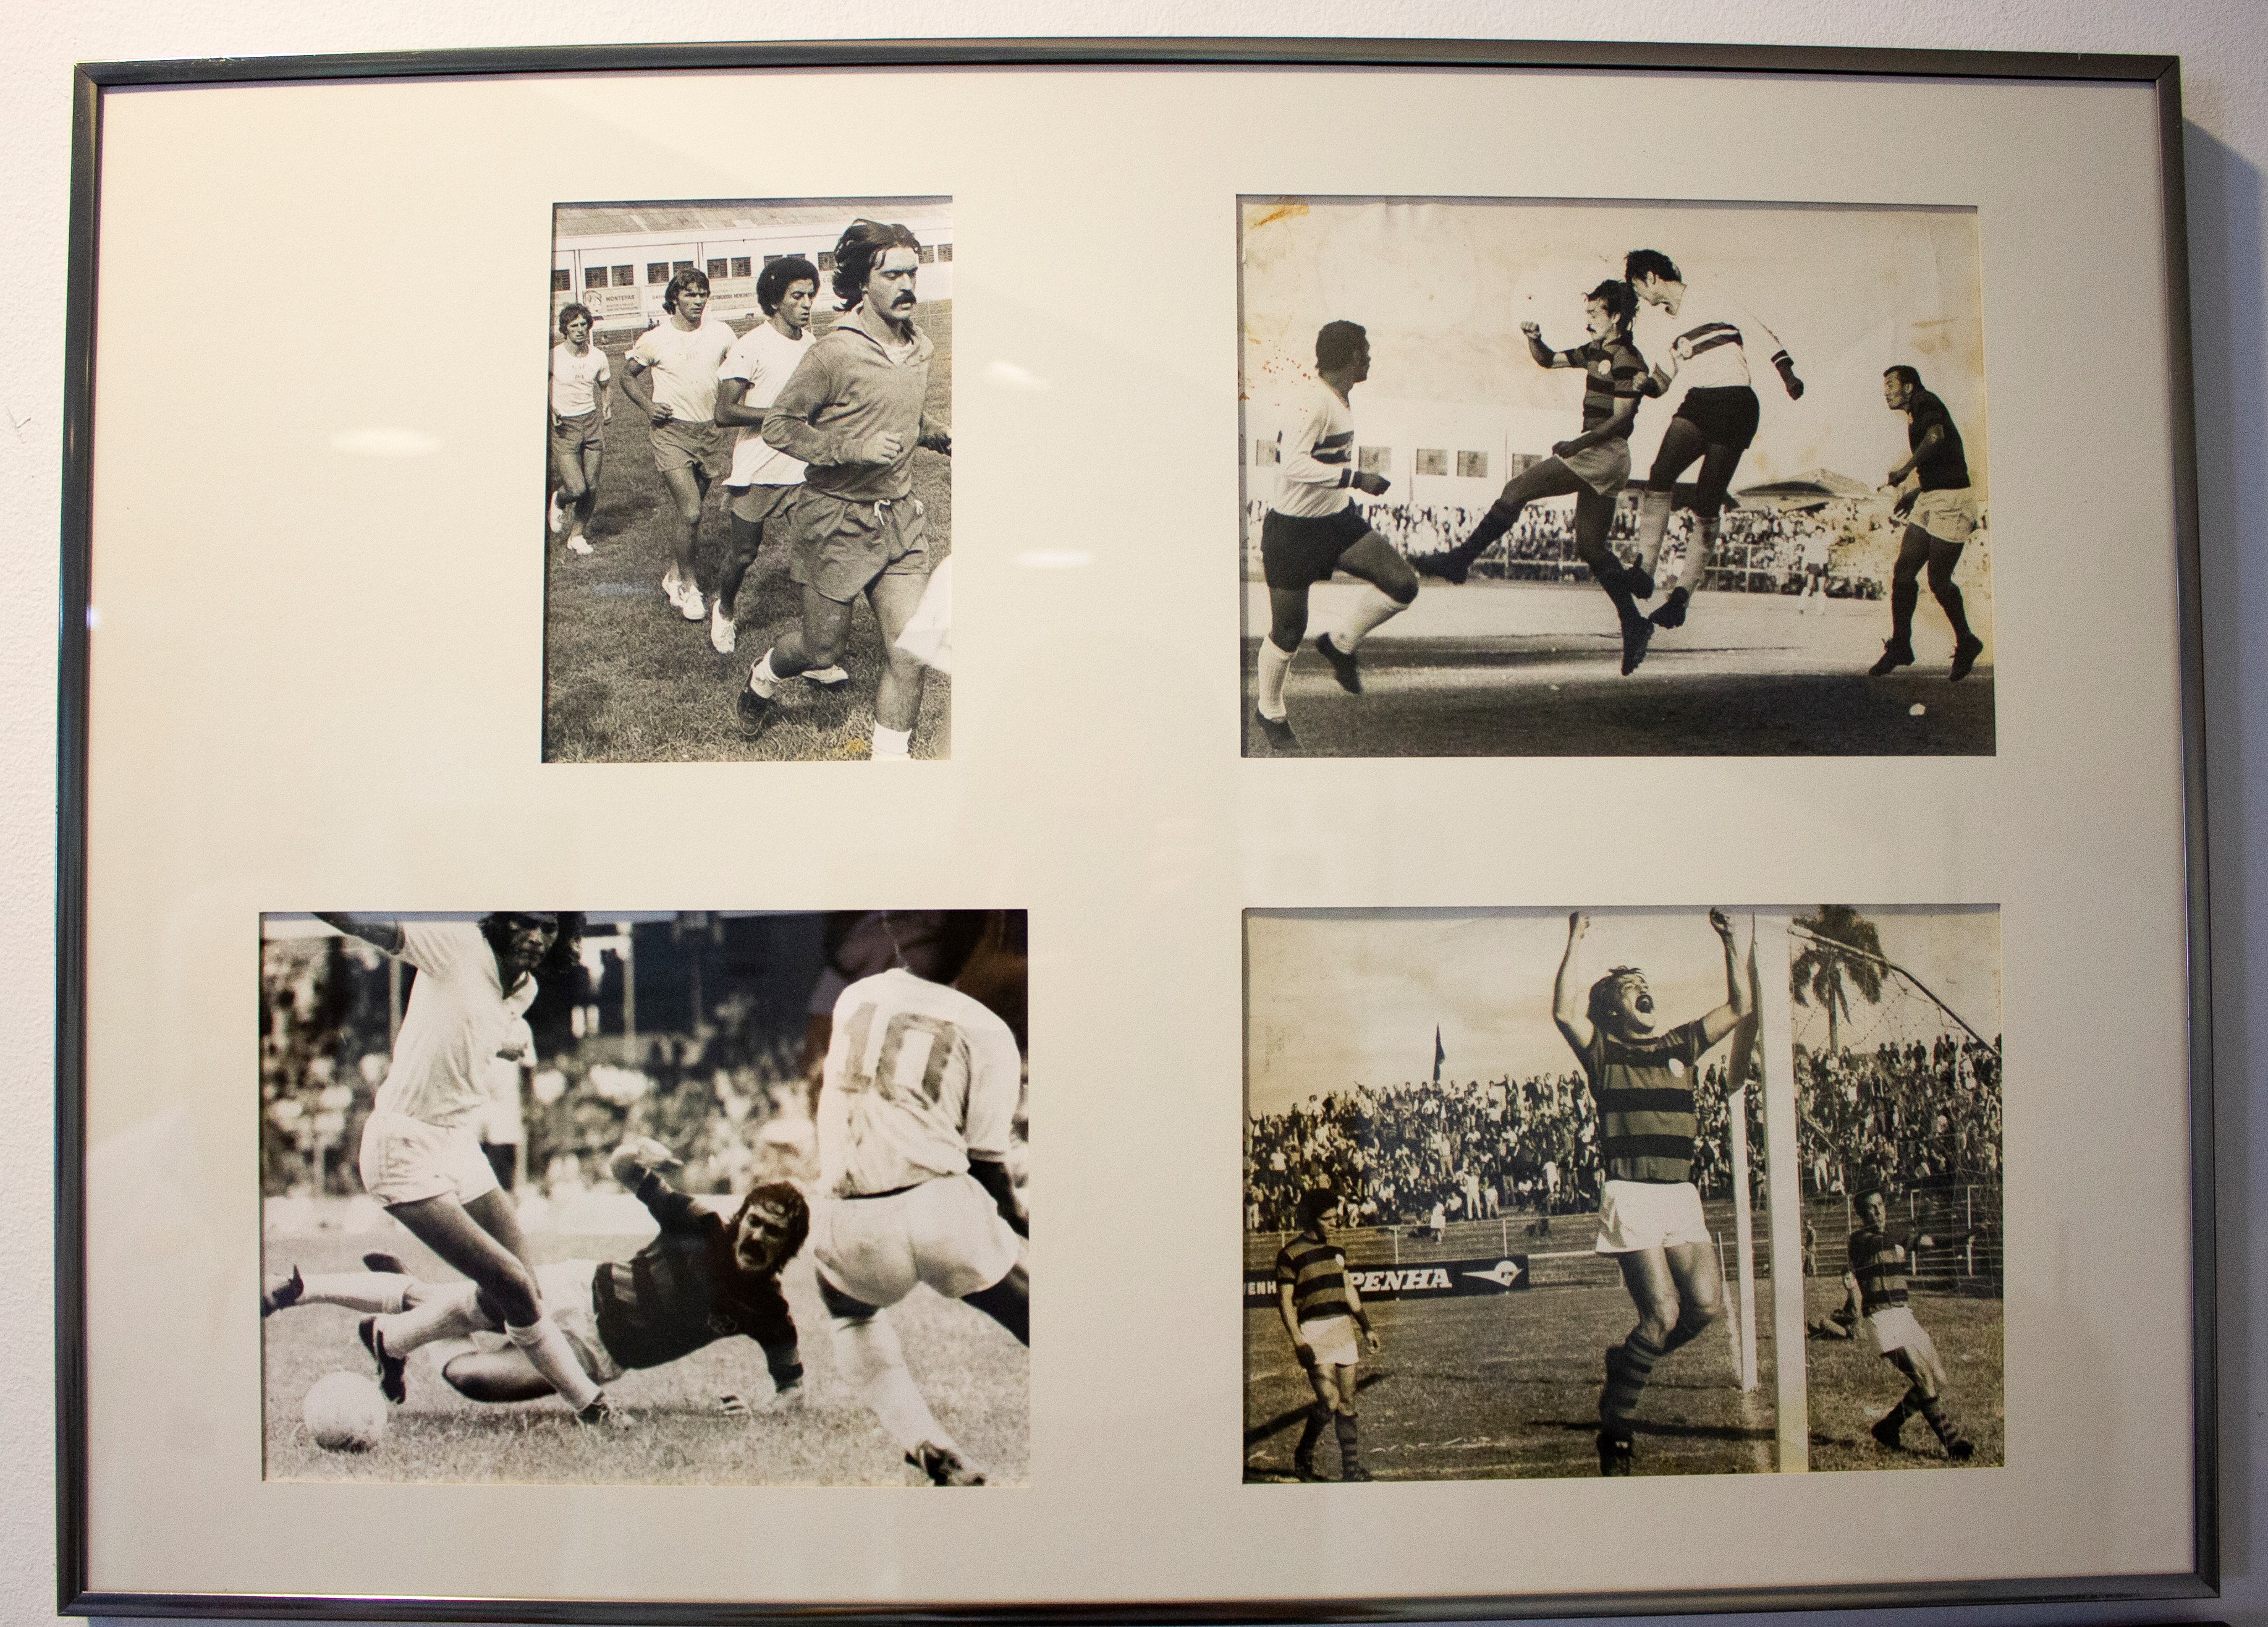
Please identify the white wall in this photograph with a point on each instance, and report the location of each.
(2225, 52)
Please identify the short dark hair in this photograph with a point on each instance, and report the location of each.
(1650, 263)
(1873, 1183)
(678, 284)
(778, 275)
(1619, 298)
(566, 945)
(1904, 374)
(569, 312)
(792, 1205)
(1336, 343)
(1603, 990)
(1315, 1203)
(862, 243)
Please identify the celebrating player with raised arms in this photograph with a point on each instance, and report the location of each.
(701, 1278)
(1320, 1310)
(1715, 422)
(1881, 1254)
(916, 1105)
(1313, 529)
(1940, 513)
(1650, 1216)
(1593, 466)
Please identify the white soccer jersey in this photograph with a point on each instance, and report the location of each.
(459, 1018)
(764, 356)
(575, 379)
(1818, 549)
(685, 363)
(1317, 457)
(1723, 333)
(919, 1076)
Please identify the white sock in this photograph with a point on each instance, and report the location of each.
(1652, 521)
(1370, 608)
(873, 1361)
(380, 1292)
(1274, 665)
(892, 743)
(1696, 556)
(761, 678)
(450, 1314)
(547, 1349)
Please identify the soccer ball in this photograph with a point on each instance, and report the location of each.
(345, 1413)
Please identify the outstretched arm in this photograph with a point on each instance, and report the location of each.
(1544, 354)
(379, 931)
(1738, 999)
(1567, 1006)
(638, 1164)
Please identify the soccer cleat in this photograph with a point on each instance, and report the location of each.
(1640, 581)
(1887, 1430)
(689, 602)
(754, 712)
(1277, 732)
(602, 1411)
(391, 1382)
(826, 677)
(1354, 1472)
(723, 635)
(280, 1293)
(378, 1260)
(556, 520)
(1895, 653)
(1966, 652)
(1616, 1453)
(1638, 632)
(1342, 663)
(1672, 610)
(1448, 564)
(1959, 1449)
(1306, 1469)
(578, 544)
(943, 1465)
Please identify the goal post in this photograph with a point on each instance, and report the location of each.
(1775, 1051)
(1744, 1237)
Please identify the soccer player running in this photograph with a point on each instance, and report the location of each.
(420, 1157)
(580, 413)
(701, 1278)
(1649, 1211)
(671, 374)
(1313, 529)
(1880, 1254)
(916, 1102)
(1321, 1311)
(853, 411)
(1939, 511)
(763, 482)
(1595, 465)
(1715, 422)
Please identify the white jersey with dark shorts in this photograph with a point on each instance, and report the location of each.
(1312, 519)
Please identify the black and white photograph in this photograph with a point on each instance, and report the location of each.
(647, 1197)
(1554, 478)
(749, 507)
(1518, 1184)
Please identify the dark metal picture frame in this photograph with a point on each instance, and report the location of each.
(78, 1593)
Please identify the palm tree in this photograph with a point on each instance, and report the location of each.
(1819, 971)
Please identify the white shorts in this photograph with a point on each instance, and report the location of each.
(1635, 1215)
(1332, 1340)
(1893, 1327)
(565, 1286)
(406, 1159)
(945, 1232)
(1950, 516)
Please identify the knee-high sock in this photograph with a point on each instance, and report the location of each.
(1500, 518)
(449, 1313)
(1687, 1329)
(1607, 571)
(868, 1352)
(379, 1292)
(1350, 1447)
(1696, 556)
(1629, 1365)
(1274, 665)
(1905, 593)
(1319, 1419)
(546, 1348)
(1370, 608)
(1933, 1411)
(1948, 600)
(1908, 1404)
(1653, 522)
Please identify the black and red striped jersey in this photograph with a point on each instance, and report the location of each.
(686, 1288)
(1879, 1260)
(1316, 1274)
(1644, 1088)
(1614, 374)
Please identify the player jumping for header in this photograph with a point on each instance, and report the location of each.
(1595, 465)
(1880, 1255)
(1715, 422)
(1313, 529)
(1940, 510)
(1320, 1310)
(1649, 1210)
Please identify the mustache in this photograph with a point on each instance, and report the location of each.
(900, 299)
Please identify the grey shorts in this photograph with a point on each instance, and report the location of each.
(839, 548)
(759, 504)
(699, 447)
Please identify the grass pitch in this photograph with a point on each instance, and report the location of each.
(973, 1373)
(628, 680)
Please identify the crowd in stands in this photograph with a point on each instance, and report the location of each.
(1915, 1112)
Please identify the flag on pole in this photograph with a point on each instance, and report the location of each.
(1437, 1054)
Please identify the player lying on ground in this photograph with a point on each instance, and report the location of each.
(915, 1103)
(420, 1157)
(1313, 529)
(852, 412)
(580, 410)
(1940, 514)
(681, 354)
(1715, 422)
(700, 1279)
(1880, 1253)
(1595, 465)
(1649, 1209)
(1320, 1310)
